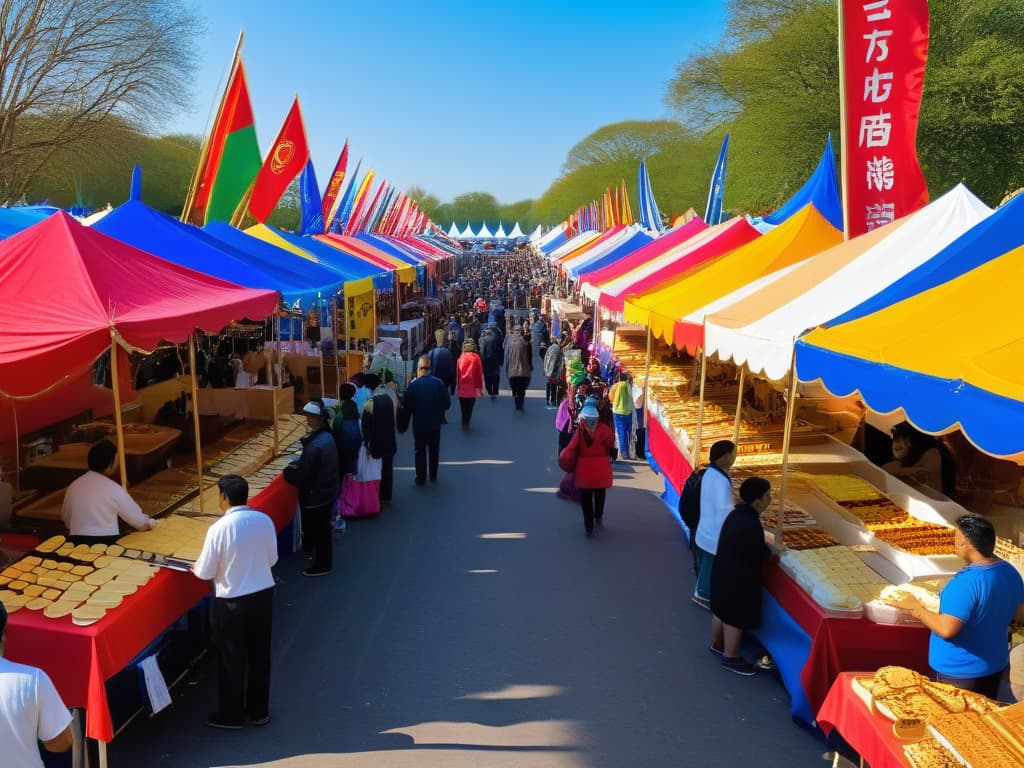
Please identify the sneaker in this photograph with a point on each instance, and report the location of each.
(739, 666)
(216, 720)
(703, 602)
(716, 651)
(314, 572)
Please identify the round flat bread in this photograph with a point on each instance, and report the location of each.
(66, 549)
(18, 585)
(34, 590)
(52, 594)
(105, 600)
(104, 561)
(59, 609)
(38, 604)
(115, 550)
(52, 544)
(141, 569)
(99, 578)
(15, 601)
(46, 565)
(82, 570)
(88, 613)
(98, 549)
(134, 554)
(80, 588)
(80, 549)
(68, 577)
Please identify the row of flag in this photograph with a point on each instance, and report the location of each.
(233, 179)
(611, 210)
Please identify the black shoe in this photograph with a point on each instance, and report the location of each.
(716, 651)
(589, 533)
(216, 720)
(433, 478)
(599, 522)
(314, 572)
(258, 721)
(738, 666)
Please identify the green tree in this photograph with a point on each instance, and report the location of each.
(624, 143)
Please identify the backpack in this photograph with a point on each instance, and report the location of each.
(689, 500)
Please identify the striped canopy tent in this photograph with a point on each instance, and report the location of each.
(636, 239)
(629, 235)
(612, 237)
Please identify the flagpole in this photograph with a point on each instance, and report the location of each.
(844, 171)
(204, 151)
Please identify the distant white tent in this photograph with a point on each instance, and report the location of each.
(500, 234)
(467, 233)
(517, 232)
(536, 234)
(453, 231)
(95, 216)
(484, 233)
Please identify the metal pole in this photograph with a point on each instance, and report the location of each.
(843, 169)
(334, 330)
(276, 381)
(739, 408)
(118, 426)
(698, 432)
(195, 417)
(787, 435)
(647, 376)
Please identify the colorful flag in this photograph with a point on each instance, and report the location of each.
(312, 205)
(345, 208)
(332, 195)
(627, 208)
(286, 159)
(650, 216)
(884, 51)
(230, 159)
(713, 213)
(360, 201)
(365, 205)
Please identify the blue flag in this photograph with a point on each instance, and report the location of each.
(713, 214)
(650, 216)
(821, 190)
(312, 204)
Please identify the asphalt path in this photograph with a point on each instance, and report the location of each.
(473, 624)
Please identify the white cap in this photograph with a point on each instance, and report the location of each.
(312, 409)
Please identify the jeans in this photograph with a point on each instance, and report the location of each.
(593, 506)
(518, 386)
(552, 393)
(316, 534)
(623, 425)
(241, 636)
(705, 562)
(466, 406)
(427, 442)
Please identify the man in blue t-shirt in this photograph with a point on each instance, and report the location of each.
(968, 646)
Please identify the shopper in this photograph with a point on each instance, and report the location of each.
(442, 366)
(968, 646)
(588, 456)
(315, 474)
(539, 335)
(621, 397)
(554, 366)
(492, 355)
(518, 366)
(379, 436)
(470, 377)
(736, 578)
(425, 402)
(31, 711)
(715, 505)
(237, 555)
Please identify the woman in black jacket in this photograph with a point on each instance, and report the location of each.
(379, 436)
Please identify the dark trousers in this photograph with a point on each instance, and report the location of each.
(492, 383)
(593, 506)
(552, 392)
(427, 442)
(466, 406)
(387, 477)
(518, 385)
(241, 636)
(316, 534)
(95, 539)
(986, 686)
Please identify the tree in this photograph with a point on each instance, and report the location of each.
(476, 207)
(626, 142)
(69, 67)
(428, 203)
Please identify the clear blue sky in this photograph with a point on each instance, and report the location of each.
(452, 95)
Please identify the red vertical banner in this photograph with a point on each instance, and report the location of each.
(885, 50)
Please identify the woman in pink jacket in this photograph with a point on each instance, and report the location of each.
(469, 380)
(588, 455)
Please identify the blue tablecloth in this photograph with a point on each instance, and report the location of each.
(790, 648)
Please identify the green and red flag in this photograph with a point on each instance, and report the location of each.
(231, 158)
(285, 161)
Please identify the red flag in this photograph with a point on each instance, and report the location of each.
(885, 50)
(332, 195)
(287, 158)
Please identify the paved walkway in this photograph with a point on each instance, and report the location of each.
(472, 624)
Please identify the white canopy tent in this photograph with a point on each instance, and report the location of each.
(453, 231)
(517, 232)
(500, 233)
(467, 233)
(484, 233)
(538, 233)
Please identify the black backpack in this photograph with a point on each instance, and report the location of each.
(689, 500)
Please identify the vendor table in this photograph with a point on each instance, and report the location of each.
(836, 645)
(80, 660)
(870, 734)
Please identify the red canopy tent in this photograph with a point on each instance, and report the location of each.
(68, 289)
(645, 253)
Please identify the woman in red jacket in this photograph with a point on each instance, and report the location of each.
(589, 453)
(469, 378)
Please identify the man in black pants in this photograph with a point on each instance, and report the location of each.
(315, 474)
(425, 402)
(237, 556)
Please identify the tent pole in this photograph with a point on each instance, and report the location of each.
(118, 426)
(647, 376)
(787, 435)
(195, 418)
(698, 432)
(334, 330)
(17, 449)
(739, 408)
(277, 381)
(320, 353)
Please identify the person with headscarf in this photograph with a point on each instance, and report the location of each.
(554, 365)
(470, 380)
(518, 366)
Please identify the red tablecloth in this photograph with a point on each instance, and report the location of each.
(840, 645)
(674, 465)
(80, 660)
(869, 734)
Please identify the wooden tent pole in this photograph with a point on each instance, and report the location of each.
(17, 449)
(334, 331)
(118, 426)
(739, 408)
(320, 352)
(699, 431)
(195, 418)
(277, 381)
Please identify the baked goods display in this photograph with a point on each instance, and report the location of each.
(928, 753)
(903, 694)
(834, 577)
(975, 740)
(808, 537)
(176, 536)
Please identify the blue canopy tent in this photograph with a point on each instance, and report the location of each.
(559, 240)
(390, 247)
(328, 254)
(13, 220)
(150, 230)
(821, 190)
(623, 249)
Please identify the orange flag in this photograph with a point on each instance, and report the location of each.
(287, 158)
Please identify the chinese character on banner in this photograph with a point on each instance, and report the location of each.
(885, 50)
(881, 174)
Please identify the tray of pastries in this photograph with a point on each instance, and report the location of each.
(928, 753)
(899, 693)
(177, 536)
(975, 741)
(808, 537)
(834, 577)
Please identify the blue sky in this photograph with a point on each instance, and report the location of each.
(454, 96)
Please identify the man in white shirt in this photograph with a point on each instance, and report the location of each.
(93, 503)
(237, 556)
(715, 505)
(30, 712)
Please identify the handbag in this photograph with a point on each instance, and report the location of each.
(348, 499)
(368, 468)
(570, 455)
(369, 498)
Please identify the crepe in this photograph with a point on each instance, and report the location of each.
(100, 577)
(38, 604)
(87, 614)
